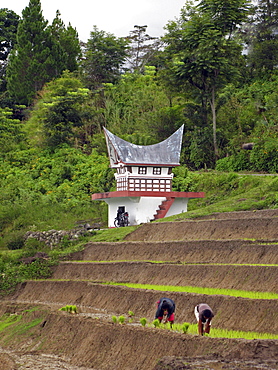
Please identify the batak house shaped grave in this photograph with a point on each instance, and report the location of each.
(144, 180)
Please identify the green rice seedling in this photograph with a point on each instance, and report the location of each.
(156, 323)
(130, 315)
(114, 319)
(121, 319)
(143, 321)
(73, 309)
(223, 333)
(167, 325)
(185, 263)
(185, 327)
(69, 308)
(63, 309)
(201, 290)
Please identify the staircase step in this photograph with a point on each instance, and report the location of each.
(164, 208)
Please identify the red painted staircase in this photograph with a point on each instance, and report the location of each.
(164, 208)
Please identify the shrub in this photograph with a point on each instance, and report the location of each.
(183, 179)
(16, 241)
(39, 269)
(264, 155)
(32, 245)
(236, 162)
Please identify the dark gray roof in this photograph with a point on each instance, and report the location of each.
(165, 153)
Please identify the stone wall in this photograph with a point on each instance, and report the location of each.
(54, 237)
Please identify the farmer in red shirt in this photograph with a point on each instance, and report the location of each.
(166, 308)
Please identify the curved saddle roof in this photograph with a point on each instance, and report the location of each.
(165, 153)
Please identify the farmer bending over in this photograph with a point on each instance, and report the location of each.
(165, 309)
(203, 314)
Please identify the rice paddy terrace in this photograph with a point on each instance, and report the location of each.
(226, 260)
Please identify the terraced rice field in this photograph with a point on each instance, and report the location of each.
(227, 252)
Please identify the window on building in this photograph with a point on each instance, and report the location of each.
(142, 170)
(157, 171)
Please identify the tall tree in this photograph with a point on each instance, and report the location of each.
(203, 51)
(104, 55)
(142, 50)
(67, 43)
(8, 29)
(42, 52)
(226, 15)
(263, 48)
(31, 60)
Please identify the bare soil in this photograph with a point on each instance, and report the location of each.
(188, 253)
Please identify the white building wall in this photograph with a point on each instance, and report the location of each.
(140, 209)
(179, 206)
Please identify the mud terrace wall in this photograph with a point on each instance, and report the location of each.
(258, 228)
(210, 252)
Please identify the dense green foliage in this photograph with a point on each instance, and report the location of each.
(214, 71)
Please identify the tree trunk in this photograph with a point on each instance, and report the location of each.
(213, 111)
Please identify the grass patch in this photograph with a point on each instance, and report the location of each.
(7, 320)
(228, 192)
(113, 234)
(23, 328)
(12, 326)
(200, 290)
